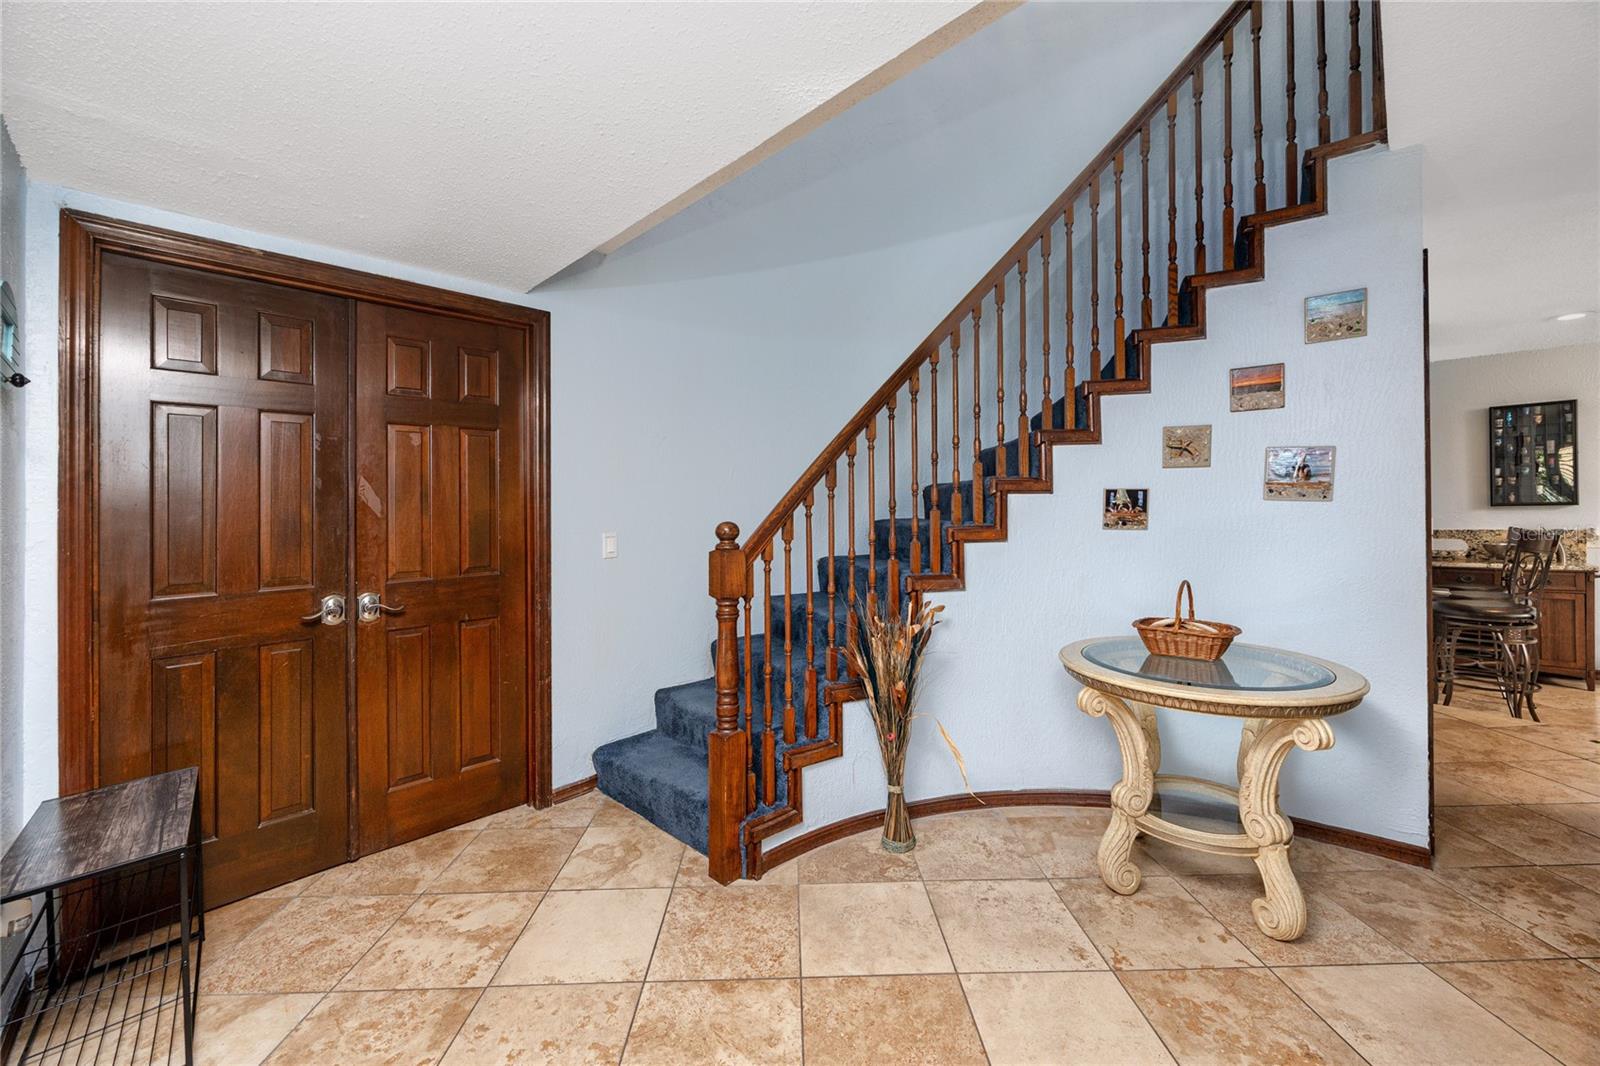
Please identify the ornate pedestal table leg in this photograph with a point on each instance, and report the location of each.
(1135, 726)
(1263, 746)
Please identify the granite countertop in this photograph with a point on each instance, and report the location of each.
(1487, 564)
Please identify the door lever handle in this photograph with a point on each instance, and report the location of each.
(331, 613)
(370, 607)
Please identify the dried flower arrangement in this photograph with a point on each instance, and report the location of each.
(885, 652)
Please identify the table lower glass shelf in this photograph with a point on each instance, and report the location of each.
(1194, 812)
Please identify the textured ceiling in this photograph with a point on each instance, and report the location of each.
(1505, 100)
(493, 141)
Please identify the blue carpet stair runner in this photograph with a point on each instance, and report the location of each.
(661, 773)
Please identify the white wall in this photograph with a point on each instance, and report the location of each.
(1461, 393)
(13, 197)
(699, 370)
(13, 614)
(1344, 580)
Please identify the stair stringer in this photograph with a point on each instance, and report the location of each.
(1252, 234)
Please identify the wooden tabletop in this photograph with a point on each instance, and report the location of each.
(94, 832)
(1344, 691)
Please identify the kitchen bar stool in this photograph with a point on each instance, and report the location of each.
(1493, 635)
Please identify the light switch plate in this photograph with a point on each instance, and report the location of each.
(608, 545)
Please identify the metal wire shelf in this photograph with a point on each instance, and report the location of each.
(108, 972)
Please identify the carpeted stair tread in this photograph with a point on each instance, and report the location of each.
(857, 568)
(941, 496)
(787, 617)
(660, 779)
(904, 536)
(991, 461)
(688, 713)
(1058, 415)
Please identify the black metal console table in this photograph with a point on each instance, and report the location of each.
(109, 969)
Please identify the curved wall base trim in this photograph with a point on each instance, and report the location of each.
(767, 859)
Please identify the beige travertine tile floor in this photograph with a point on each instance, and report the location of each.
(582, 934)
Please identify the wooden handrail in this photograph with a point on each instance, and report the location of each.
(773, 523)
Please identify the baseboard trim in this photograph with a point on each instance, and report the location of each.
(1398, 850)
(574, 790)
(768, 859)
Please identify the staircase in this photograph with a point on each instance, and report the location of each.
(974, 415)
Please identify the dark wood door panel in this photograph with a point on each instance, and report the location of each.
(223, 487)
(1562, 632)
(442, 696)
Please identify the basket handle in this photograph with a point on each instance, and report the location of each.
(1177, 605)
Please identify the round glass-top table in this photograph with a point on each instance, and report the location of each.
(1249, 681)
(1284, 700)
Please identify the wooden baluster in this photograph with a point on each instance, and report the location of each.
(728, 752)
(1002, 466)
(811, 623)
(935, 511)
(1291, 151)
(850, 575)
(831, 666)
(788, 630)
(1199, 185)
(1094, 280)
(915, 561)
(1024, 467)
(894, 542)
(955, 424)
(1172, 208)
(769, 758)
(1324, 125)
(1380, 106)
(1146, 308)
(749, 693)
(1047, 410)
(1355, 67)
(1227, 150)
(1255, 77)
(977, 414)
(1119, 324)
(872, 515)
(1069, 387)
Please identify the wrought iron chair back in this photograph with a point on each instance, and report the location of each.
(1528, 562)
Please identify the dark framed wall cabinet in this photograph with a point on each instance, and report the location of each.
(1533, 454)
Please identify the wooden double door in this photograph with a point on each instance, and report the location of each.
(312, 564)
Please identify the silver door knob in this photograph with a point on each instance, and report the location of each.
(331, 613)
(370, 607)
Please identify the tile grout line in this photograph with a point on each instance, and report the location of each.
(1171, 1052)
(328, 992)
(484, 988)
(487, 985)
(1295, 992)
(1353, 916)
(800, 961)
(633, 1018)
(1490, 1010)
(415, 899)
(955, 971)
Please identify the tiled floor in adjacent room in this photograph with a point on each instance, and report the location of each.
(583, 934)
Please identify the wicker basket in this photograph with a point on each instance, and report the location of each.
(1166, 636)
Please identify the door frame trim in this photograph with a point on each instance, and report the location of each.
(85, 240)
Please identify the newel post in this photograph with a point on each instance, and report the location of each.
(728, 754)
